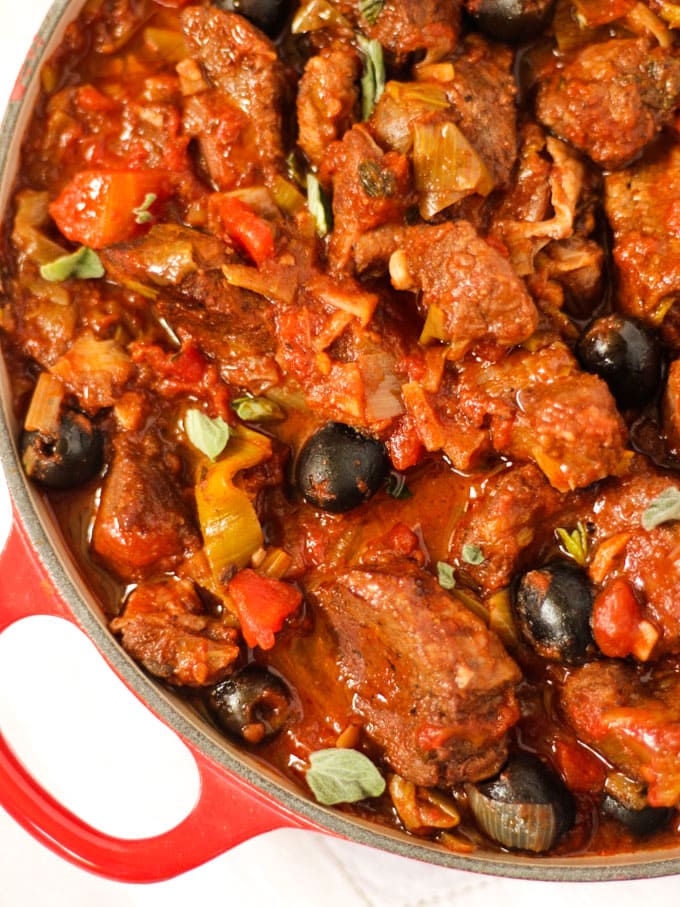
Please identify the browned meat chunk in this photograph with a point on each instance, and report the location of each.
(647, 559)
(164, 626)
(646, 226)
(242, 63)
(506, 521)
(611, 99)
(434, 687)
(406, 26)
(634, 721)
(165, 257)
(369, 189)
(468, 289)
(327, 98)
(530, 406)
(143, 525)
(483, 93)
(671, 407)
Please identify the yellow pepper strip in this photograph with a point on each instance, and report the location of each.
(230, 527)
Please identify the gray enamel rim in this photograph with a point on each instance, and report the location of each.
(64, 577)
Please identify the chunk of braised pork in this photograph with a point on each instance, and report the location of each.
(165, 627)
(530, 406)
(507, 519)
(482, 95)
(540, 205)
(646, 234)
(327, 98)
(610, 99)
(432, 685)
(179, 268)
(370, 189)
(404, 27)
(242, 63)
(646, 559)
(632, 719)
(143, 525)
(467, 288)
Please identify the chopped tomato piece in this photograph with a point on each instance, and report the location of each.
(99, 207)
(248, 230)
(580, 768)
(262, 605)
(619, 627)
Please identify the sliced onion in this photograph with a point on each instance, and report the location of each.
(317, 14)
(446, 167)
(520, 826)
(400, 106)
(525, 807)
(670, 12)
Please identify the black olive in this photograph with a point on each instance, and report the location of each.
(525, 807)
(640, 822)
(338, 468)
(511, 20)
(553, 607)
(626, 355)
(253, 704)
(67, 460)
(268, 15)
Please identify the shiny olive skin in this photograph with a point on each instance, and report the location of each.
(511, 21)
(338, 468)
(540, 808)
(252, 705)
(267, 15)
(625, 354)
(70, 459)
(553, 607)
(640, 822)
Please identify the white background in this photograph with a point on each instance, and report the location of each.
(67, 728)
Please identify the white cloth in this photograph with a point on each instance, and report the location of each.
(282, 869)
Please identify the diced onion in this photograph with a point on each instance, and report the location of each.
(446, 167)
(45, 407)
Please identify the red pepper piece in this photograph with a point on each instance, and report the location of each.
(98, 207)
(262, 605)
(249, 231)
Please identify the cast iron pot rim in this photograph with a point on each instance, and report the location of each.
(508, 865)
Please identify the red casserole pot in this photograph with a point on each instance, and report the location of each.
(239, 798)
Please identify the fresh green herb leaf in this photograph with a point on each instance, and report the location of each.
(84, 263)
(210, 436)
(257, 409)
(142, 213)
(373, 78)
(318, 205)
(343, 776)
(575, 543)
(664, 508)
(397, 487)
(445, 575)
(472, 554)
(370, 10)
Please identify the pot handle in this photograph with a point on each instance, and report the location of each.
(228, 812)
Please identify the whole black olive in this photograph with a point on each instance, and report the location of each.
(525, 807)
(338, 468)
(511, 20)
(639, 822)
(626, 355)
(553, 607)
(268, 15)
(67, 460)
(253, 704)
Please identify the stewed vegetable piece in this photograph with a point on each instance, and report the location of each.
(525, 807)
